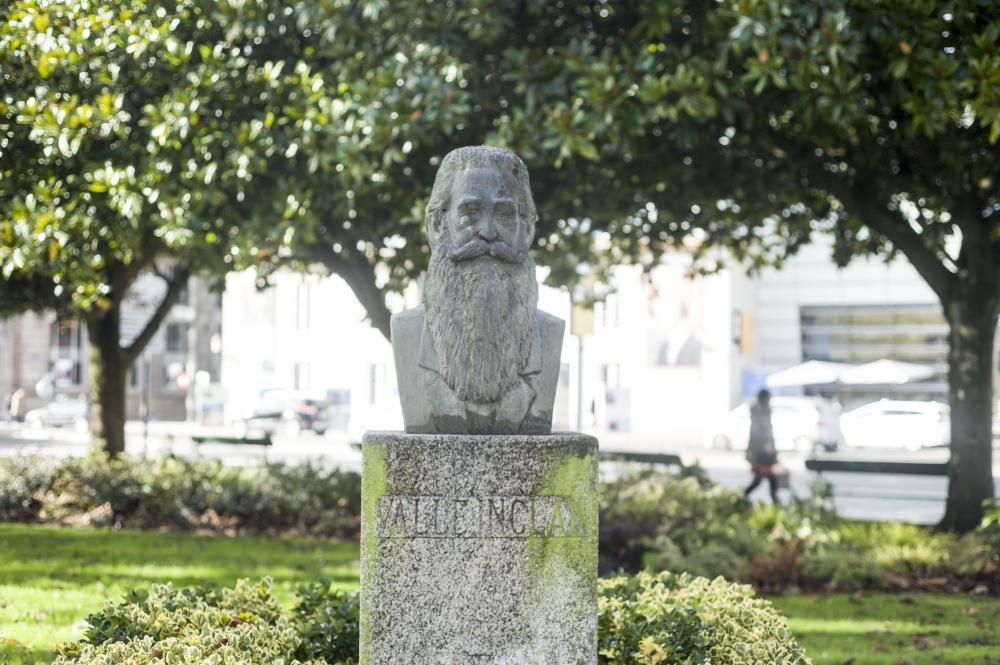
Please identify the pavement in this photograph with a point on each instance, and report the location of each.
(915, 499)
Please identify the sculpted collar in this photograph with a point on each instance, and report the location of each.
(428, 358)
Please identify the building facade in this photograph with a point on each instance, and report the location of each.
(43, 356)
(656, 364)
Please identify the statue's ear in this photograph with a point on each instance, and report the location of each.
(433, 221)
(529, 229)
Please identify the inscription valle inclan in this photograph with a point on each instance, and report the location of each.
(408, 516)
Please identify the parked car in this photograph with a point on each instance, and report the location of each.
(897, 424)
(285, 415)
(799, 423)
(62, 411)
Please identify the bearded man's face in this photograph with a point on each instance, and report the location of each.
(481, 293)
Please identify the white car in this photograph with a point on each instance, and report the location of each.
(897, 424)
(60, 412)
(799, 423)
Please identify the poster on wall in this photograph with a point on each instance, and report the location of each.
(674, 302)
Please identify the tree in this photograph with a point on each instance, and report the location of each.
(749, 125)
(133, 139)
(760, 123)
(199, 136)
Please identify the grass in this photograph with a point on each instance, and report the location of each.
(51, 578)
(896, 629)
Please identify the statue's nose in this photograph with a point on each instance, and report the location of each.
(487, 230)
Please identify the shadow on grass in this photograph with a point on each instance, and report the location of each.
(52, 578)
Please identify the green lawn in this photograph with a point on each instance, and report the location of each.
(50, 579)
(896, 629)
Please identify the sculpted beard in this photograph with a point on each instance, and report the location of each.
(481, 315)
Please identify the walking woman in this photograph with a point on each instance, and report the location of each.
(760, 448)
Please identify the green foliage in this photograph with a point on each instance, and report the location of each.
(659, 522)
(652, 519)
(262, 132)
(989, 528)
(326, 121)
(23, 481)
(172, 492)
(647, 619)
(244, 624)
(167, 612)
(64, 574)
(678, 620)
(328, 622)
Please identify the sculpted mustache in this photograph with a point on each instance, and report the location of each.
(479, 247)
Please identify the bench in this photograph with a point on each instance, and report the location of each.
(665, 459)
(880, 466)
(263, 440)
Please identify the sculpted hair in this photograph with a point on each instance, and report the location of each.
(462, 159)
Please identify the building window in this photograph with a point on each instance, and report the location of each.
(66, 353)
(184, 298)
(176, 337)
(861, 334)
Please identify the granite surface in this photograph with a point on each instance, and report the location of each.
(479, 549)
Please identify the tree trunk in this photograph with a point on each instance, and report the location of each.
(108, 376)
(359, 274)
(972, 315)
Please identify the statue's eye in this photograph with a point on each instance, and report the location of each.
(505, 215)
(468, 214)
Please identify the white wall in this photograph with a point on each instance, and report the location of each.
(266, 334)
(811, 278)
(308, 322)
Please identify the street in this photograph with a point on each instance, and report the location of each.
(915, 499)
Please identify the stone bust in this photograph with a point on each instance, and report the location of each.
(478, 356)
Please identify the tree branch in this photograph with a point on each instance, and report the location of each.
(968, 216)
(859, 197)
(175, 285)
(359, 273)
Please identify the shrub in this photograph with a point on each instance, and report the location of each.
(989, 529)
(328, 622)
(676, 620)
(241, 625)
(649, 619)
(656, 521)
(172, 492)
(652, 519)
(23, 481)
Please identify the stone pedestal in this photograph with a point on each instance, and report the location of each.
(479, 549)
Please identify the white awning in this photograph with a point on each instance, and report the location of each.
(809, 373)
(886, 372)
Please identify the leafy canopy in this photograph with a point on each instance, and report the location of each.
(257, 131)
